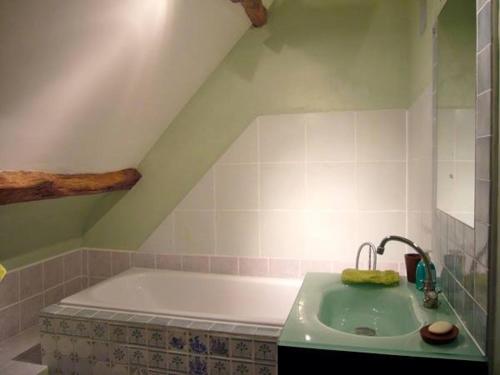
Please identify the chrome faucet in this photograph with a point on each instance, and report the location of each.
(430, 293)
(371, 249)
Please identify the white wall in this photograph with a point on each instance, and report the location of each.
(302, 186)
(90, 85)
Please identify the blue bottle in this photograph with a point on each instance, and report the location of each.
(421, 274)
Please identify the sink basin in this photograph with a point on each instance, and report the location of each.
(369, 310)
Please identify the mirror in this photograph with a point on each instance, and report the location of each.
(456, 94)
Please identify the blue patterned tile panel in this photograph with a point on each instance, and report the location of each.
(219, 346)
(198, 342)
(198, 365)
(177, 340)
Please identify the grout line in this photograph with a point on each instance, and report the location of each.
(259, 193)
(481, 51)
(214, 202)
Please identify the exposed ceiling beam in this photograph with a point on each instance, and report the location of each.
(255, 10)
(24, 186)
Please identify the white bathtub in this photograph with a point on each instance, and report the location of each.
(253, 300)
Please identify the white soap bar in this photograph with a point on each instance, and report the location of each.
(441, 327)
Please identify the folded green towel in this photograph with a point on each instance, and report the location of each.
(3, 272)
(352, 276)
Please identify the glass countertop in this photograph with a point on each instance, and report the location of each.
(326, 312)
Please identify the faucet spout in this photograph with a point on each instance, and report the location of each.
(430, 294)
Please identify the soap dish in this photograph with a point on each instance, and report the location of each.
(432, 338)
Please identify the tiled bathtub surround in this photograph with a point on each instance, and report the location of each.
(232, 265)
(103, 342)
(25, 291)
(303, 186)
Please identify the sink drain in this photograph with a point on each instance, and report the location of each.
(365, 331)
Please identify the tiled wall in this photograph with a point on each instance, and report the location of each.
(302, 186)
(25, 291)
(464, 250)
(86, 341)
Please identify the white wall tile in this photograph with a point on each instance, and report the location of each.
(282, 233)
(194, 232)
(381, 186)
(330, 235)
(201, 195)
(238, 233)
(330, 136)
(306, 196)
(236, 186)
(374, 226)
(381, 135)
(244, 149)
(281, 138)
(282, 186)
(331, 186)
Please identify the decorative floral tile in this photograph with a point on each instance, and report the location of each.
(241, 368)
(98, 330)
(156, 338)
(158, 359)
(177, 340)
(63, 326)
(80, 328)
(138, 356)
(198, 365)
(118, 333)
(219, 367)
(46, 324)
(265, 351)
(100, 350)
(198, 342)
(219, 346)
(137, 335)
(177, 362)
(118, 354)
(241, 348)
(265, 369)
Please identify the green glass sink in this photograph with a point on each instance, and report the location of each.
(369, 310)
(329, 315)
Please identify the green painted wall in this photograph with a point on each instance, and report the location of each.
(421, 46)
(457, 55)
(32, 231)
(314, 55)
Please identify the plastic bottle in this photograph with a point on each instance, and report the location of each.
(421, 274)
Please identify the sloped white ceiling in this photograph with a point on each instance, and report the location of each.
(89, 85)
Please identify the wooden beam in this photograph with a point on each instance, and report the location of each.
(25, 186)
(255, 10)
